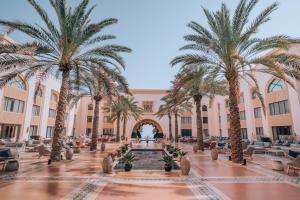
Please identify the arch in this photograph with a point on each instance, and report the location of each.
(275, 85)
(204, 108)
(17, 82)
(143, 122)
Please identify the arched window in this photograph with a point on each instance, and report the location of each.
(90, 107)
(276, 85)
(254, 95)
(17, 82)
(38, 92)
(204, 108)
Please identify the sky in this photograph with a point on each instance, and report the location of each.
(154, 29)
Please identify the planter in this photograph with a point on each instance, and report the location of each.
(11, 165)
(163, 145)
(102, 146)
(69, 154)
(168, 167)
(107, 164)
(76, 150)
(185, 166)
(195, 148)
(127, 167)
(214, 154)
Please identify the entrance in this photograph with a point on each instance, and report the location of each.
(147, 128)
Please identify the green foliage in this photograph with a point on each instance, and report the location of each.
(128, 158)
(168, 159)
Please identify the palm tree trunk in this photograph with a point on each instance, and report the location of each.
(95, 125)
(235, 126)
(60, 119)
(200, 144)
(176, 127)
(118, 129)
(124, 128)
(170, 126)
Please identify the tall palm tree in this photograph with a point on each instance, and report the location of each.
(164, 110)
(131, 109)
(99, 84)
(116, 108)
(230, 48)
(195, 83)
(69, 47)
(177, 104)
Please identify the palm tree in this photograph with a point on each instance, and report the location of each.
(116, 108)
(230, 48)
(69, 47)
(99, 84)
(131, 109)
(195, 83)
(177, 104)
(164, 110)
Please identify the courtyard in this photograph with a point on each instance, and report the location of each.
(82, 178)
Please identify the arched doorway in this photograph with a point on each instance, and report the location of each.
(147, 123)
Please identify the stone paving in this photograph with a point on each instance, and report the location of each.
(82, 178)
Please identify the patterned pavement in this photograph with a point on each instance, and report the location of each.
(208, 180)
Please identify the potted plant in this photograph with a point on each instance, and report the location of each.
(127, 160)
(69, 153)
(175, 152)
(181, 154)
(123, 149)
(168, 162)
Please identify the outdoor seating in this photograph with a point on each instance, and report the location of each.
(294, 165)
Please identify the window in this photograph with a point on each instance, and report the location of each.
(9, 130)
(279, 131)
(52, 113)
(89, 119)
(54, 97)
(90, 107)
(279, 108)
(106, 119)
(49, 132)
(276, 85)
(206, 133)
(38, 92)
(186, 132)
(148, 106)
(254, 95)
(244, 134)
(205, 120)
(186, 120)
(17, 82)
(257, 112)
(13, 105)
(33, 131)
(259, 133)
(204, 108)
(242, 115)
(241, 99)
(35, 110)
(108, 131)
(88, 131)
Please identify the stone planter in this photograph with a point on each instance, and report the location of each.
(76, 150)
(102, 146)
(185, 166)
(214, 154)
(163, 145)
(11, 165)
(107, 164)
(69, 154)
(195, 148)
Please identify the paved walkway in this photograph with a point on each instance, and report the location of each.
(81, 178)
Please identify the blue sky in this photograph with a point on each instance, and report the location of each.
(154, 29)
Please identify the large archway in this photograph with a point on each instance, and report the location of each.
(157, 133)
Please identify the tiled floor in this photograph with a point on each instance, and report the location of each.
(81, 178)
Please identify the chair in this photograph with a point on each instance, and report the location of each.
(248, 152)
(42, 150)
(294, 165)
